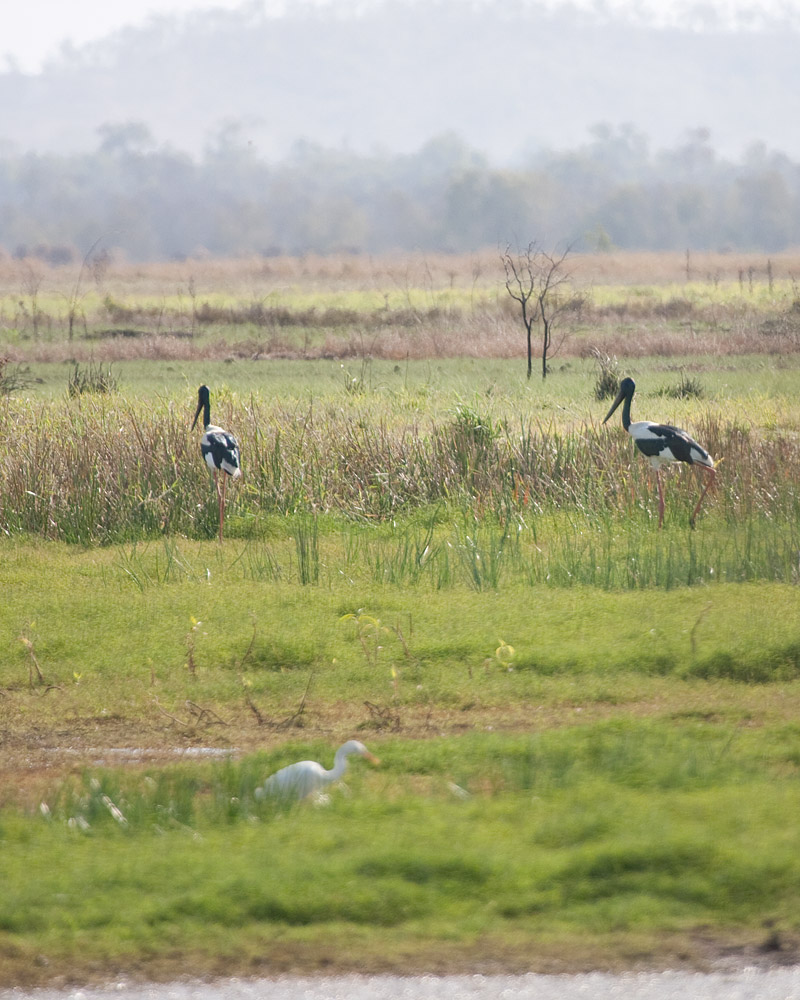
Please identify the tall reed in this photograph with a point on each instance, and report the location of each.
(551, 550)
(103, 469)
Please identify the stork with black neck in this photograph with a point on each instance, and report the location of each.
(219, 448)
(662, 444)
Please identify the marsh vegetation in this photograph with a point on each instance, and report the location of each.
(588, 728)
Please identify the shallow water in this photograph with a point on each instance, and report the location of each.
(747, 984)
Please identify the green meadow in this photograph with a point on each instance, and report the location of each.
(589, 729)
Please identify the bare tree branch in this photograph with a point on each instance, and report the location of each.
(533, 278)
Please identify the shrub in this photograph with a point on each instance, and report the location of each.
(91, 379)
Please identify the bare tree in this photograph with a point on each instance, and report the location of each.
(32, 278)
(534, 278)
(75, 298)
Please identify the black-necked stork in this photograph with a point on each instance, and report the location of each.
(662, 444)
(219, 448)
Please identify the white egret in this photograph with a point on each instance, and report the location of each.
(307, 777)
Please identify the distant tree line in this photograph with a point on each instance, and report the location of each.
(614, 191)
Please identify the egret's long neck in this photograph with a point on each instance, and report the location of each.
(339, 766)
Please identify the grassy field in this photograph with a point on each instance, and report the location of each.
(588, 728)
(393, 308)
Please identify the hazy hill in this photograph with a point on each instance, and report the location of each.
(508, 77)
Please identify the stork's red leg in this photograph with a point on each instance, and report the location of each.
(660, 498)
(712, 473)
(219, 498)
(222, 505)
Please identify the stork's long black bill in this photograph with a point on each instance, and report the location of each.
(203, 406)
(615, 404)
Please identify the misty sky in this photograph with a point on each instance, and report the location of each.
(34, 30)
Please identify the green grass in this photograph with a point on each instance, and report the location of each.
(588, 727)
(135, 642)
(496, 384)
(633, 829)
(306, 298)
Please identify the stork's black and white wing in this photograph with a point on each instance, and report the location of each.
(220, 449)
(662, 443)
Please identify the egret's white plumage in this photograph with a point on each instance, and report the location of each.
(219, 448)
(307, 777)
(662, 444)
